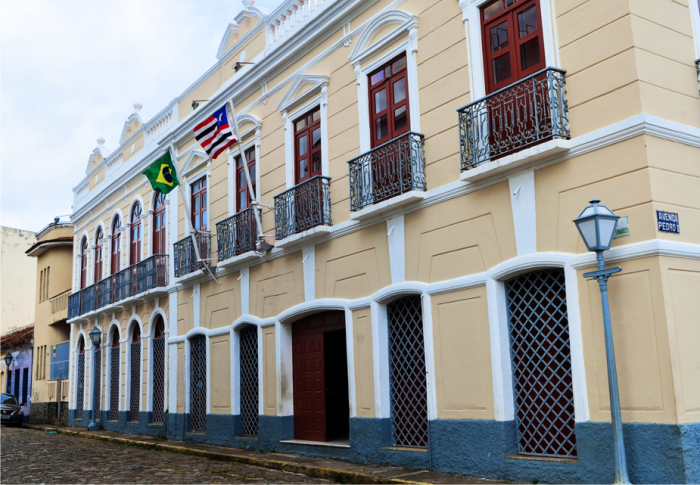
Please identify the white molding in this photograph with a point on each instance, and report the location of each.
(501, 372)
(397, 248)
(192, 164)
(471, 17)
(295, 96)
(695, 23)
(429, 345)
(350, 354)
(245, 290)
(384, 207)
(522, 200)
(233, 28)
(364, 50)
(309, 266)
(304, 237)
(578, 367)
(196, 304)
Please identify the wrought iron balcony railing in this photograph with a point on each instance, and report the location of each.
(303, 207)
(137, 278)
(237, 234)
(526, 113)
(391, 169)
(185, 256)
(697, 67)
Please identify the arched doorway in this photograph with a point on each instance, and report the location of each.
(114, 376)
(320, 370)
(198, 384)
(80, 380)
(135, 375)
(159, 370)
(249, 380)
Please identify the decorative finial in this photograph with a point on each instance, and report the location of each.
(248, 3)
(137, 107)
(101, 140)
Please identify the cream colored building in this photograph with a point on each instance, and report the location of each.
(417, 165)
(17, 291)
(53, 256)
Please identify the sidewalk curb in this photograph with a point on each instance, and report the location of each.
(310, 470)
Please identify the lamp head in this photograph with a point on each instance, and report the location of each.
(596, 224)
(8, 359)
(95, 335)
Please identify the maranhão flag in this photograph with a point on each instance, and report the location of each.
(161, 174)
(214, 133)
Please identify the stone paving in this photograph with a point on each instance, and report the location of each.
(30, 456)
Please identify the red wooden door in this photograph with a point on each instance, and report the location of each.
(243, 198)
(136, 232)
(116, 245)
(309, 374)
(159, 225)
(83, 263)
(98, 255)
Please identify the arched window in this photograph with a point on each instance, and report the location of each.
(114, 376)
(158, 370)
(116, 244)
(80, 380)
(135, 374)
(249, 387)
(198, 384)
(83, 263)
(135, 234)
(540, 353)
(408, 386)
(99, 257)
(159, 225)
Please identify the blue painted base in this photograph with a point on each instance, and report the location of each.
(656, 453)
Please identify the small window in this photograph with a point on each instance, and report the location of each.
(83, 263)
(307, 146)
(199, 204)
(389, 110)
(159, 224)
(99, 254)
(136, 231)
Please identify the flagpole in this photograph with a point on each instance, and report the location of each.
(188, 212)
(253, 196)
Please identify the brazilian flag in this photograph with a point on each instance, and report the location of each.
(162, 174)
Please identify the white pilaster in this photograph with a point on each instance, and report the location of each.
(309, 264)
(397, 252)
(522, 198)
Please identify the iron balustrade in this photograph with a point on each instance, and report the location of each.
(526, 113)
(697, 67)
(237, 234)
(391, 169)
(185, 256)
(152, 273)
(303, 207)
(87, 299)
(105, 291)
(74, 305)
(143, 276)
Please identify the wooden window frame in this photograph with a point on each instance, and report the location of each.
(391, 106)
(99, 255)
(198, 189)
(241, 183)
(135, 234)
(309, 127)
(160, 224)
(509, 14)
(83, 263)
(115, 254)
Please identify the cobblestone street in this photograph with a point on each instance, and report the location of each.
(30, 456)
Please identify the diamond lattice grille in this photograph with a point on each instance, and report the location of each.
(198, 384)
(135, 382)
(80, 393)
(98, 382)
(114, 385)
(158, 379)
(541, 361)
(409, 408)
(249, 381)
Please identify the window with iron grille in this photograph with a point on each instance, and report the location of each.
(249, 380)
(114, 381)
(198, 384)
(135, 377)
(80, 382)
(408, 387)
(159, 371)
(98, 382)
(541, 361)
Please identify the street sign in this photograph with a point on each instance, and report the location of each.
(622, 228)
(668, 222)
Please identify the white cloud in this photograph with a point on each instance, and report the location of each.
(70, 72)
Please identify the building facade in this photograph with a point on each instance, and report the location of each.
(54, 273)
(416, 165)
(16, 379)
(16, 279)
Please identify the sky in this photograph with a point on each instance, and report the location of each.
(70, 72)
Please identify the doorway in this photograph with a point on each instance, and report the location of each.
(321, 401)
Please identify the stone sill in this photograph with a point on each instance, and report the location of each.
(241, 258)
(387, 205)
(542, 458)
(307, 236)
(405, 448)
(193, 275)
(515, 161)
(329, 444)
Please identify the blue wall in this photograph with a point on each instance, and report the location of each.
(656, 453)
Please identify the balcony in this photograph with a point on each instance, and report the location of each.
(59, 306)
(134, 281)
(390, 175)
(186, 258)
(303, 211)
(505, 129)
(236, 236)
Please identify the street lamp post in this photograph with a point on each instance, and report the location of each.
(596, 224)
(8, 363)
(95, 335)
